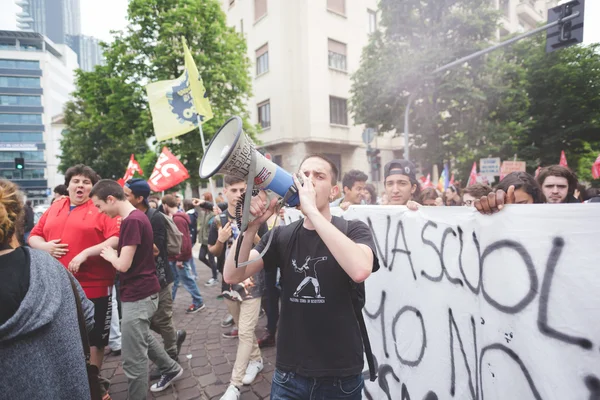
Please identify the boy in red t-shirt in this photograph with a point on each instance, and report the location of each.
(139, 291)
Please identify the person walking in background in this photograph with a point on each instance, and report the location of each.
(181, 265)
(205, 219)
(139, 289)
(41, 353)
(190, 210)
(74, 232)
(137, 191)
(29, 220)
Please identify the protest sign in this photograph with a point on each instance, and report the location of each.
(470, 306)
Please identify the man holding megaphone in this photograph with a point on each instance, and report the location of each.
(323, 261)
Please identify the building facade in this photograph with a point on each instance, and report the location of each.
(303, 54)
(36, 80)
(520, 16)
(88, 50)
(54, 19)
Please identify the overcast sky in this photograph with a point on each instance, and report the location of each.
(99, 17)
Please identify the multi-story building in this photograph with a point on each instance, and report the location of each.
(54, 19)
(522, 15)
(88, 50)
(36, 80)
(60, 21)
(303, 55)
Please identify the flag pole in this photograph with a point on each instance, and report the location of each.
(210, 181)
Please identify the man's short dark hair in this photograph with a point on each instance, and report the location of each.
(353, 176)
(332, 166)
(477, 190)
(232, 180)
(524, 181)
(61, 190)
(107, 187)
(560, 171)
(82, 170)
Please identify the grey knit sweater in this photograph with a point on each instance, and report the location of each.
(41, 356)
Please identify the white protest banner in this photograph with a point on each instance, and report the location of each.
(470, 306)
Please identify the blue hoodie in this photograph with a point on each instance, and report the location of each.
(41, 355)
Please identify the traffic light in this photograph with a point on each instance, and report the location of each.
(566, 33)
(19, 163)
(374, 161)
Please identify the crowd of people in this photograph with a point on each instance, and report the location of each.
(110, 259)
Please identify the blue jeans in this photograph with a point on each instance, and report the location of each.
(185, 274)
(291, 386)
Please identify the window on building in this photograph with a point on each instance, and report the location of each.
(20, 119)
(372, 20)
(12, 81)
(219, 181)
(21, 137)
(19, 64)
(505, 8)
(204, 184)
(278, 159)
(337, 6)
(27, 174)
(31, 119)
(242, 26)
(264, 114)
(337, 55)
(262, 60)
(27, 155)
(20, 101)
(338, 111)
(260, 9)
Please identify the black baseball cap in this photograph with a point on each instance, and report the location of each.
(139, 187)
(399, 167)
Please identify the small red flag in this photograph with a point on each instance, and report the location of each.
(563, 159)
(473, 175)
(596, 168)
(132, 167)
(168, 172)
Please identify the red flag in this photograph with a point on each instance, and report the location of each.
(426, 182)
(121, 182)
(452, 179)
(473, 175)
(132, 167)
(168, 172)
(596, 168)
(563, 159)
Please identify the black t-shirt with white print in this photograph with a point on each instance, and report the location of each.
(318, 334)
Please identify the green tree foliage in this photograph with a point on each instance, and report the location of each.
(106, 123)
(516, 101)
(419, 36)
(150, 49)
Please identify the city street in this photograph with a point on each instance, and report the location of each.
(208, 370)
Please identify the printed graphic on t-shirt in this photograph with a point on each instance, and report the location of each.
(309, 289)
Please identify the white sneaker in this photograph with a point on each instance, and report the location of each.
(232, 393)
(211, 282)
(254, 367)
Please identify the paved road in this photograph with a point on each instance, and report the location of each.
(208, 370)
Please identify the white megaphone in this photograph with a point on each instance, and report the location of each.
(230, 152)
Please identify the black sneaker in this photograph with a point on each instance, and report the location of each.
(165, 381)
(181, 335)
(194, 309)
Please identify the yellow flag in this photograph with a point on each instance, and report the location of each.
(198, 91)
(173, 103)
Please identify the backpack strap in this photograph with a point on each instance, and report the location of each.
(342, 225)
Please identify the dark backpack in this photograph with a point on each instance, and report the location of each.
(357, 293)
(174, 236)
